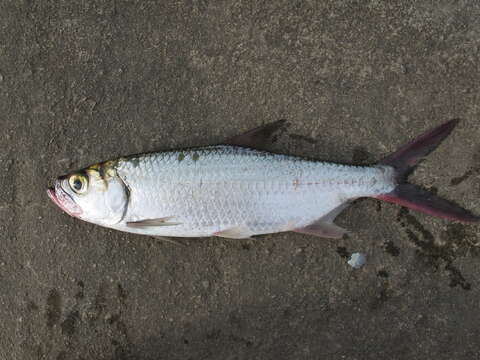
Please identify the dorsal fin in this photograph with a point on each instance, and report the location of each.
(258, 137)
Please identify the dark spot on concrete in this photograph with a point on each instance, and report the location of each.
(408, 68)
(474, 169)
(80, 293)
(62, 355)
(68, 325)
(412, 236)
(303, 138)
(299, 259)
(379, 206)
(121, 293)
(382, 273)
(54, 308)
(122, 328)
(455, 232)
(246, 246)
(342, 251)
(38, 350)
(381, 297)
(236, 321)
(100, 299)
(407, 219)
(185, 341)
(123, 352)
(460, 241)
(361, 155)
(458, 180)
(195, 156)
(31, 306)
(213, 334)
(429, 253)
(123, 346)
(476, 158)
(180, 157)
(113, 319)
(456, 277)
(99, 304)
(391, 249)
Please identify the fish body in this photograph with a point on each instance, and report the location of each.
(212, 189)
(235, 190)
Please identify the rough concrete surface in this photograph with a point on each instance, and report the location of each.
(85, 81)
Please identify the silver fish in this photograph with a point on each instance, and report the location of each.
(235, 190)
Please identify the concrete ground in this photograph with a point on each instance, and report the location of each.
(85, 81)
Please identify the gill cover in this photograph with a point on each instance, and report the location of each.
(102, 195)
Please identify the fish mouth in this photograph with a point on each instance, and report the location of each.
(63, 200)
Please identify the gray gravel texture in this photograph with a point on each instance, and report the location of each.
(85, 81)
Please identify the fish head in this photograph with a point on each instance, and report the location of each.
(95, 194)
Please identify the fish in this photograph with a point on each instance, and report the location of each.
(237, 189)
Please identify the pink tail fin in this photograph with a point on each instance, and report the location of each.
(405, 158)
(413, 197)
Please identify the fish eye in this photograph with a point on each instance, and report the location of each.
(78, 183)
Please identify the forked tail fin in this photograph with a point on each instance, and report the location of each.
(404, 161)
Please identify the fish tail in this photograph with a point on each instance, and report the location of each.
(411, 196)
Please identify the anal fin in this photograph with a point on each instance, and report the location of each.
(330, 217)
(236, 232)
(324, 227)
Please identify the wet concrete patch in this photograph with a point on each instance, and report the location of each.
(53, 311)
(438, 256)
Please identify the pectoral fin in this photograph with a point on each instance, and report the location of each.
(237, 232)
(165, 221)
(258, 137)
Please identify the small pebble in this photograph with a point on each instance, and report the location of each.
(357, 260)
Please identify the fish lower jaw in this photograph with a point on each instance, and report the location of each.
(63, 201)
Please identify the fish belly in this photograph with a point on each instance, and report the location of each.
(213, 189)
